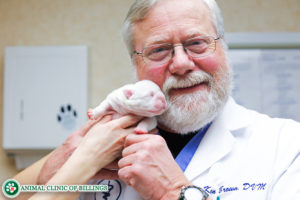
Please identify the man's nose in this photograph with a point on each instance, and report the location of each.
(181, 63)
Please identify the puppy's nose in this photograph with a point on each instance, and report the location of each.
(162, 102)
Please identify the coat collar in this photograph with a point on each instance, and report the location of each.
(219, 139)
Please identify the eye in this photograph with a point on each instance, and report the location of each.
(158, 52)
(197, 45)
(196, 42)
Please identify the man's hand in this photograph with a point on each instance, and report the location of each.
(148, 166)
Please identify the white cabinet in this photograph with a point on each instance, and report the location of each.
(45, 98)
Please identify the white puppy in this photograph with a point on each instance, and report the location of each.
(144, 98)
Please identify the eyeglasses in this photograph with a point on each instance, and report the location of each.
(162, 53)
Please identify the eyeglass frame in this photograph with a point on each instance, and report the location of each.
(140, 53)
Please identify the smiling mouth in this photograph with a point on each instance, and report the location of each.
(190, 89)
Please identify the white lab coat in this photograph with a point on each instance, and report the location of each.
(244, 155)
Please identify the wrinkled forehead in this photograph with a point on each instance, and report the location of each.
(172, 17)
(172, 9)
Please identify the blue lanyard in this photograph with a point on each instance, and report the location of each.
(186, 154)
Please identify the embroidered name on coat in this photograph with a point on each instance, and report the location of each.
(243, 187)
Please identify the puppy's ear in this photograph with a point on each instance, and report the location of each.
(128, 93)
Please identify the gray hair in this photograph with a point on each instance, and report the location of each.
(140, 9)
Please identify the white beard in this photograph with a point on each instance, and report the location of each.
(190, 112)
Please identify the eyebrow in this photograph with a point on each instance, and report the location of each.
(158, 39)
(194, 33)
(161, 39)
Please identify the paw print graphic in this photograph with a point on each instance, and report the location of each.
(10, 188)
(67, 117)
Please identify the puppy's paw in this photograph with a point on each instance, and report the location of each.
(91, 114)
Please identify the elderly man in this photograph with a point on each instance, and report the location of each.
(207, 144)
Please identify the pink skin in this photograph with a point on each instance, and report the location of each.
(159, 105)
(176, 30)
(151, 104)
(158, 74)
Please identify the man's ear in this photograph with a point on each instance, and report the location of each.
(128, 93)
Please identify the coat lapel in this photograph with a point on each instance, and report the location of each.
(219, 139)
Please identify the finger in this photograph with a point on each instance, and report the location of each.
(125, 132)
(136, 138)
(126, 161)
(127, 120)
(132, 149)
(105, 119)
(124, 174)
(106, 174)
(126, 177)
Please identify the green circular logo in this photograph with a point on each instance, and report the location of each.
(11, 188)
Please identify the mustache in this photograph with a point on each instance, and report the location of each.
(193, 78)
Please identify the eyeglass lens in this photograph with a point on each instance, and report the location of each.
(194, 47)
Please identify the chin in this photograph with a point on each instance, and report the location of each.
(189, 113)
